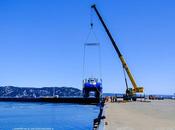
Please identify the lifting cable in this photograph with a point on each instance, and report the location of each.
(86, 44)
(125, 78)
(92, 44)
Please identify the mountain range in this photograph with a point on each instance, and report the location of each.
(30, 92)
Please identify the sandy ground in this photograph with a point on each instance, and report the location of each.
(155, 115)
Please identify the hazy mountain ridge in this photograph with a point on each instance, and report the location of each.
(29, 92)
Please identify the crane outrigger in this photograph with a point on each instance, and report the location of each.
(130, 92)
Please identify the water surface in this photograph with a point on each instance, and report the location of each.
(52, 116)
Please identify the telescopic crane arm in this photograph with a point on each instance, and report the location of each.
(136, 88)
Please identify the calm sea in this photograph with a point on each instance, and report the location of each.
(46, 116)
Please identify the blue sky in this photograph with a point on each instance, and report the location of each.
(41, 42)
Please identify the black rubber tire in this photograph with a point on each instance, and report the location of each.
(134, 98)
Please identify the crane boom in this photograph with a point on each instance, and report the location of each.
(136, 88)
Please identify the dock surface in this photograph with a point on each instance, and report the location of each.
(155, 115)
(78, 100)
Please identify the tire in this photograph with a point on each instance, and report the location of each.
(134, 98)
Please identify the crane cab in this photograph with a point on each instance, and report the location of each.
(139, 90)
(131, 94)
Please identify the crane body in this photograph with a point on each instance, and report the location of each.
(130, 92)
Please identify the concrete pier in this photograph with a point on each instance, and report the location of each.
(155, 115)
(78, 100)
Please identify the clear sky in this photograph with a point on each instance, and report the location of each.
(41, 42)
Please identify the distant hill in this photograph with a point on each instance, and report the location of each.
(11, 91)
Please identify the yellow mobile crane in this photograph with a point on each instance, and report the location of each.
(130, 92)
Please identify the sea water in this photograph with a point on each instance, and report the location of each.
(46, 116)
